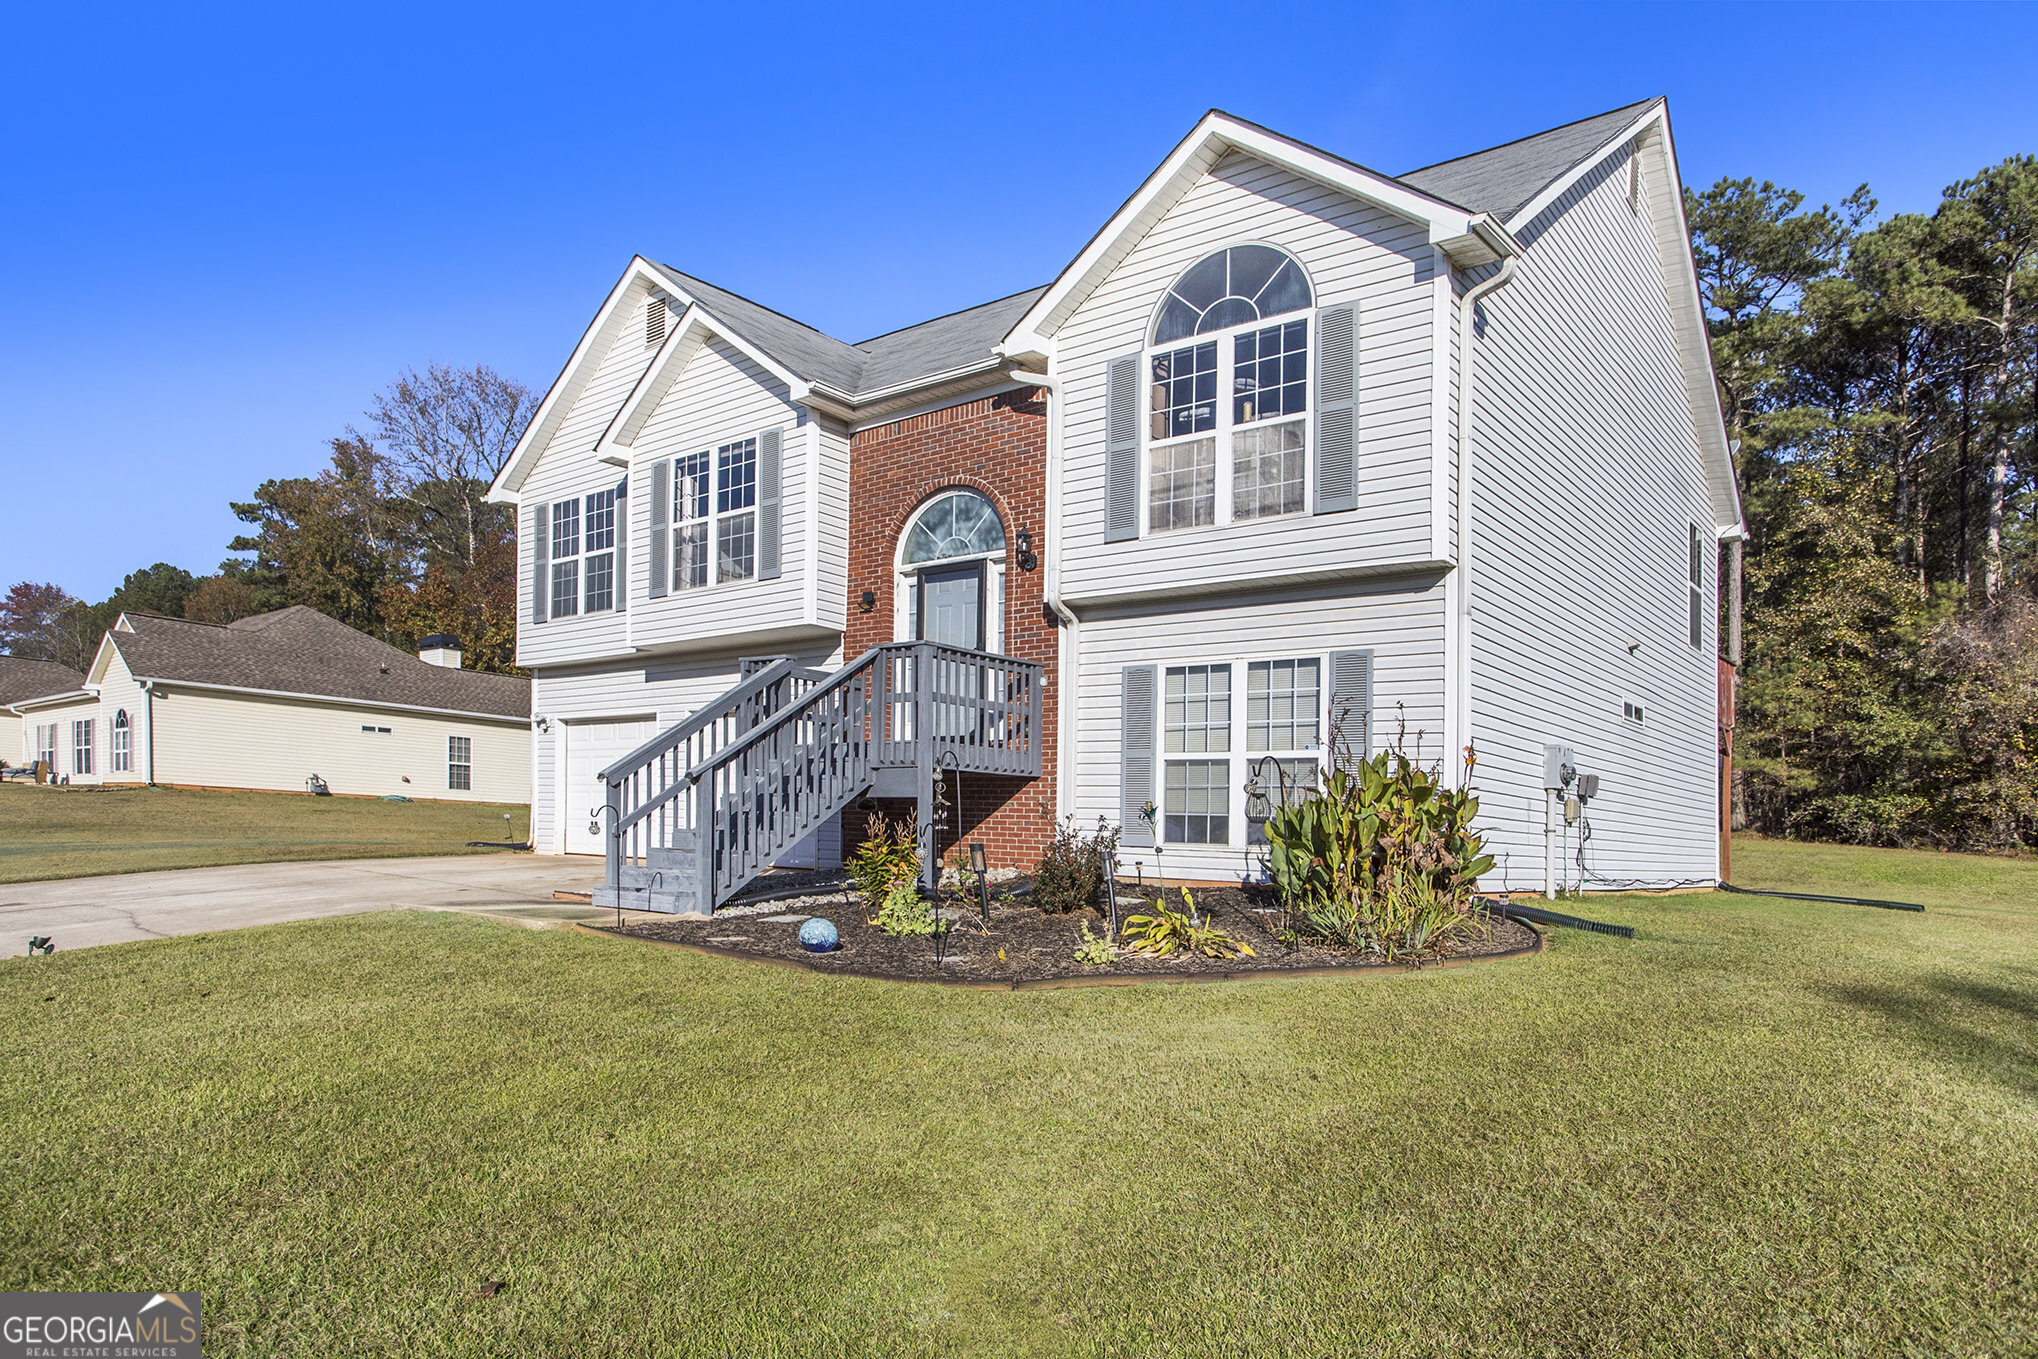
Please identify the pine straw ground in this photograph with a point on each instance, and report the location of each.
(1761, 1127)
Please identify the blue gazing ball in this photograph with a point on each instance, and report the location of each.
(818, 935)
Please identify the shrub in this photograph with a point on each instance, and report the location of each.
(887, 857)
(1169, 931)
(1072, 869)
(904, 913)
(1383, 859)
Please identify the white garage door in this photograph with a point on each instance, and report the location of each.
(590, 748)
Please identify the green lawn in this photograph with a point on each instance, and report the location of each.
(77, 832)
(1759, 1128)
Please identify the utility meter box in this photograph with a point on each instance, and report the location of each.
(1560, 766)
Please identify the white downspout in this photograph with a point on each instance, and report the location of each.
(1068, 651)
(1467, 396)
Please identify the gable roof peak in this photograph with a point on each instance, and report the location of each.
(1505, 179)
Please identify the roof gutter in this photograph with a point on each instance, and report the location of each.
(1468, 391)
(336, 700)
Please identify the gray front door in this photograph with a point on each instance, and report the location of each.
(952, 606)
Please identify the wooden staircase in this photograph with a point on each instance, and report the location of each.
(698, 811)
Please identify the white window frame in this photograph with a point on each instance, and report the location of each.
(1239, 758)
(46, 743)
(120, 744)
(460, 772)
(82, 745)
(1225, 428)
(1695, 620)
(711, 526)
(580, 598)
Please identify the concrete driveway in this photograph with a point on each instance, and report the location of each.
(81, 912)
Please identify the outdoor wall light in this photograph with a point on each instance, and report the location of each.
(867, 602)
(544, 725)
(1027, 561)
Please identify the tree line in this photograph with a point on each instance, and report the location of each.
(391, 537)
(1878, 376)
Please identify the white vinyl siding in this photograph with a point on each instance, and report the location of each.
(721, 405)
(1587, 480)
(206, 739)
(1353, 253)
(1402, 624)
(660, 692)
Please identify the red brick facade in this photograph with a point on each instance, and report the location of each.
(996, 445)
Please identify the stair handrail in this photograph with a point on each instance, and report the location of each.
(813, 696)
(709, 712)
(791, 711)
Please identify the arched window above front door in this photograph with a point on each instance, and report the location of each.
(958, 524)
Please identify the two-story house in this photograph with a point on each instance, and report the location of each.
(1295, 454)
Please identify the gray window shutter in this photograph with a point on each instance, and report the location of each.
(541, 550)
(661, 527)
(622, 585)
(1121, 449)
(1337, 409)
(1351, 703)
(1135, 754)
(770, 455)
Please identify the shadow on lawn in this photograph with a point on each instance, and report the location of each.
(1976, 1025)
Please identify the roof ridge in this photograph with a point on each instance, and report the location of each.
(899, 330)
(1528, 137)
(692, 278)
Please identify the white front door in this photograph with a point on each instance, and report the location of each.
(590, 748)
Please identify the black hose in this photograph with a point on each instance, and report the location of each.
(1811, 896)
(1543, 917)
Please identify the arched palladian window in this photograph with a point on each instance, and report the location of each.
(123, 743)
(1228, 395)
(951, 573)
(957, 524)
(1233, 287)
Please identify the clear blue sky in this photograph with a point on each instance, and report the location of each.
(221, 230)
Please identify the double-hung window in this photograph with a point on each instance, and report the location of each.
(1228, 395)
(1211, 746)
(46, 743)
(583, 554)
(735, 513)
(1697, 593)
(81, 746)
(714, 515)
(121, 746)
(693, 505)
(460, 763)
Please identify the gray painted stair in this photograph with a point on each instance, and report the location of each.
(667, 881)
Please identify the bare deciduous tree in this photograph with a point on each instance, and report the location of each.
(446, 433)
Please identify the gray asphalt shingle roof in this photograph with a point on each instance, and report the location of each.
(301, 651)
(954, 341)
(21, 679)
(1500, 180)
(1503, 180)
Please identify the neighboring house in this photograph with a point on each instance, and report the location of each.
(1292, 450)
(21, 679)
(278, 699)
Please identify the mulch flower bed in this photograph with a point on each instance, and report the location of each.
(1024, 944)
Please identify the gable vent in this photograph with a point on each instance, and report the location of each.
(654, 323)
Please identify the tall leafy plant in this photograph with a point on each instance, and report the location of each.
(1383, 858)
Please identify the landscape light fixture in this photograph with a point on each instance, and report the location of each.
(40, 943)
